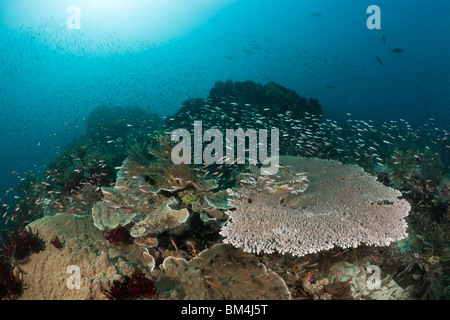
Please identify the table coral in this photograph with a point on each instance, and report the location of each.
(341, 206)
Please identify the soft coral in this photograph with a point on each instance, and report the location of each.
(141, 286)
(118, 235)
(135, 286)
(10, 286)
(21, 243)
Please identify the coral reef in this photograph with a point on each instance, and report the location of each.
(140, 227)
(83, 164)
(155, 166)
(131, 200)
(442, 195)
(233, 105)
(342, 206)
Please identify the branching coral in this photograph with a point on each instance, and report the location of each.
(403, 166)
(154, 166)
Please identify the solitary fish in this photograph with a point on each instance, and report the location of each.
(317, 14)
(379, 60)
(397, 50)
(383, 38)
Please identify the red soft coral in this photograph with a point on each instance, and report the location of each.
(132, 287)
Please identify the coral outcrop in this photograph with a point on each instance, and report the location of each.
(341, 206)
(51, 274)
(220, 272)
(249, 105)
(131, 200)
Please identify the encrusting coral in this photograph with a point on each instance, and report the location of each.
(221, 272)
(46, 274)
(341, 206)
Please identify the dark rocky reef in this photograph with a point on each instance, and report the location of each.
(249, 105)
(274, 97)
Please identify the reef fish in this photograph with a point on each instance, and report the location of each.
(397, 50)
(379, 60)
